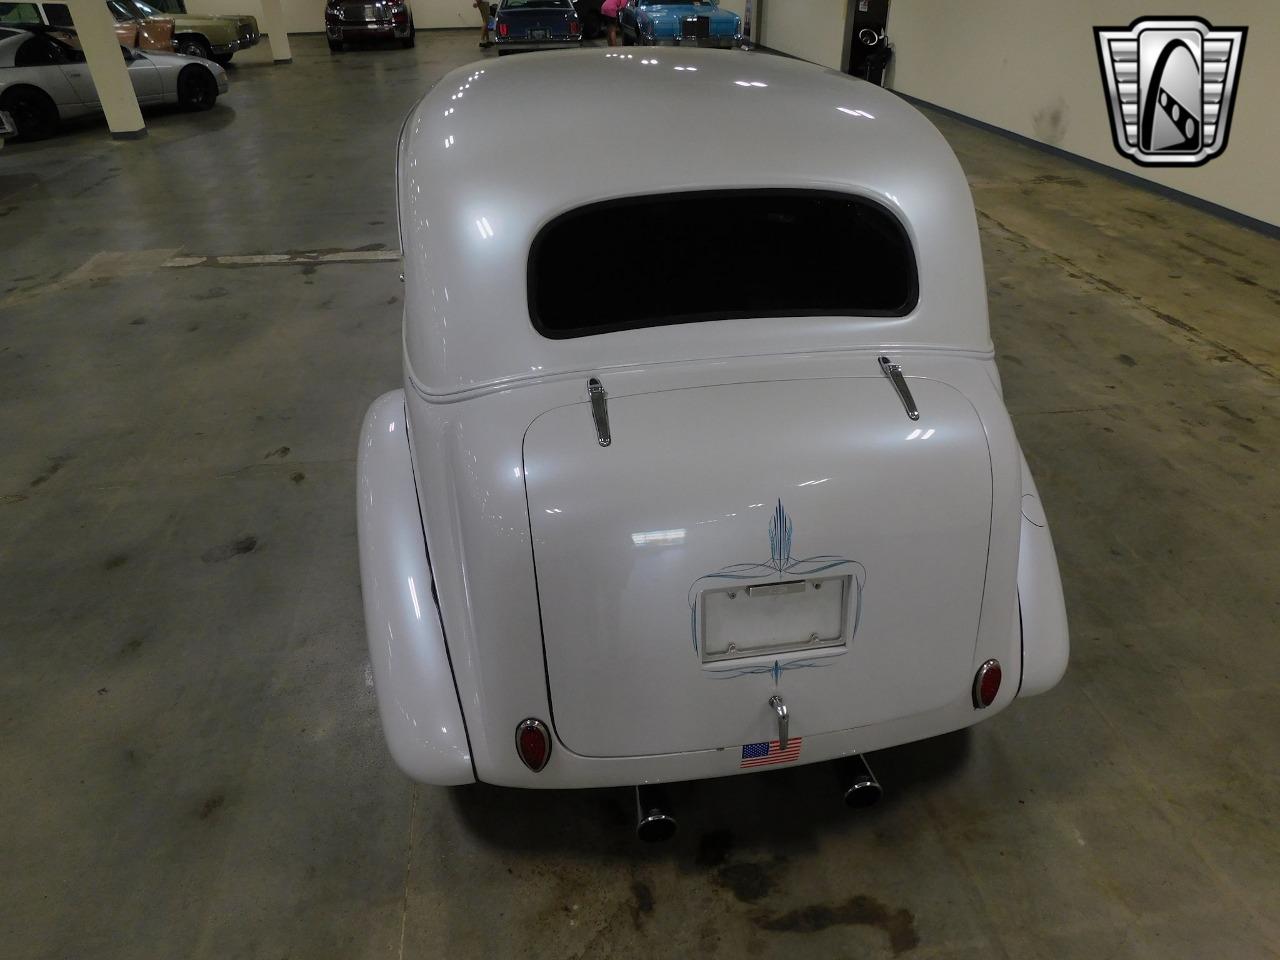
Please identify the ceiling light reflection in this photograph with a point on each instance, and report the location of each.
(658, 537)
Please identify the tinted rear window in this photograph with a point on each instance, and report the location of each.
(59, 15)
(693, 257)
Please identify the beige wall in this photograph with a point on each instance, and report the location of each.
(307, 16)
(1030, 66)
(809, 29)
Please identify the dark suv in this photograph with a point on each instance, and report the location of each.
(347, 20)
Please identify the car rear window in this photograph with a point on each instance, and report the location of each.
(722, 255)
(58, 14)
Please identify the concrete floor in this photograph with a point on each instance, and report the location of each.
(192, 763)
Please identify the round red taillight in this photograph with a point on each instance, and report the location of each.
(533, 743)
(986, 684)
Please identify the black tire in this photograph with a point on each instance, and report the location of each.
(336, 46)
(221, 59)
(34, 113)
(627, 38)
(503, 53)
(408, 41)
(197, 90)
(194, 46)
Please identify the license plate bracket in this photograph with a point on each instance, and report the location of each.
(784, 616)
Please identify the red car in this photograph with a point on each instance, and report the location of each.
(346, 20)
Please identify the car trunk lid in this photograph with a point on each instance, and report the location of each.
(681, 568)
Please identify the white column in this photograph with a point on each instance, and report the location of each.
(105, 63)
(273, 26)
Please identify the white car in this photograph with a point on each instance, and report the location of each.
(44, 79)
(701, 464)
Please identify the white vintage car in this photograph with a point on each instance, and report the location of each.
(701, 464)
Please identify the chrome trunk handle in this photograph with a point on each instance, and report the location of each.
(894, 372)
(599, 410)
(780, 709)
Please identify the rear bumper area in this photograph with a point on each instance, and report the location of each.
(417, 699)
(569, 770)
(714, 43)
(367, 31)
(567, 43)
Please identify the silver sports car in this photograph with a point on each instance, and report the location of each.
(44, 79)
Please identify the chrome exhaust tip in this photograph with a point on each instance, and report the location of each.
(654, 822)
(864, 789)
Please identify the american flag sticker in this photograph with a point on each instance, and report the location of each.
(763, 754)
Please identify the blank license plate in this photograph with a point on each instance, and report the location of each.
(539, 34)
(764, 618)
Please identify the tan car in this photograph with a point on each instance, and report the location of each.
(147, 33)
(214, 37)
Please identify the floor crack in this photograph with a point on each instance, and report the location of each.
(408, 866)
(1168, 318)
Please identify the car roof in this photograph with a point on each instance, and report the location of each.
(499, 148)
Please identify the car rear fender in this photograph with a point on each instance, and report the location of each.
(412, 673)
(1045, 641)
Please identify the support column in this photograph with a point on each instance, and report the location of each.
(106, 68)
(277, 35)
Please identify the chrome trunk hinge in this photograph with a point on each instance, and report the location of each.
(894, 372)
(599, 410)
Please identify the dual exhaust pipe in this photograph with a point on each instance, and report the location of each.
(655, 822)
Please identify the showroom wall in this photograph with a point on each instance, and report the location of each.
(809, 29)
(1030, 66)
(307, 16)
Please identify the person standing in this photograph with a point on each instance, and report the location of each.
(609, 12)
(483, 7)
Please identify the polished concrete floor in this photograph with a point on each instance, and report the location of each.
(190, 758)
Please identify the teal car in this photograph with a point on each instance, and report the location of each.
(690, 23)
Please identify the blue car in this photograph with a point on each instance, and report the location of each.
(693, 23)
(534, 25)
